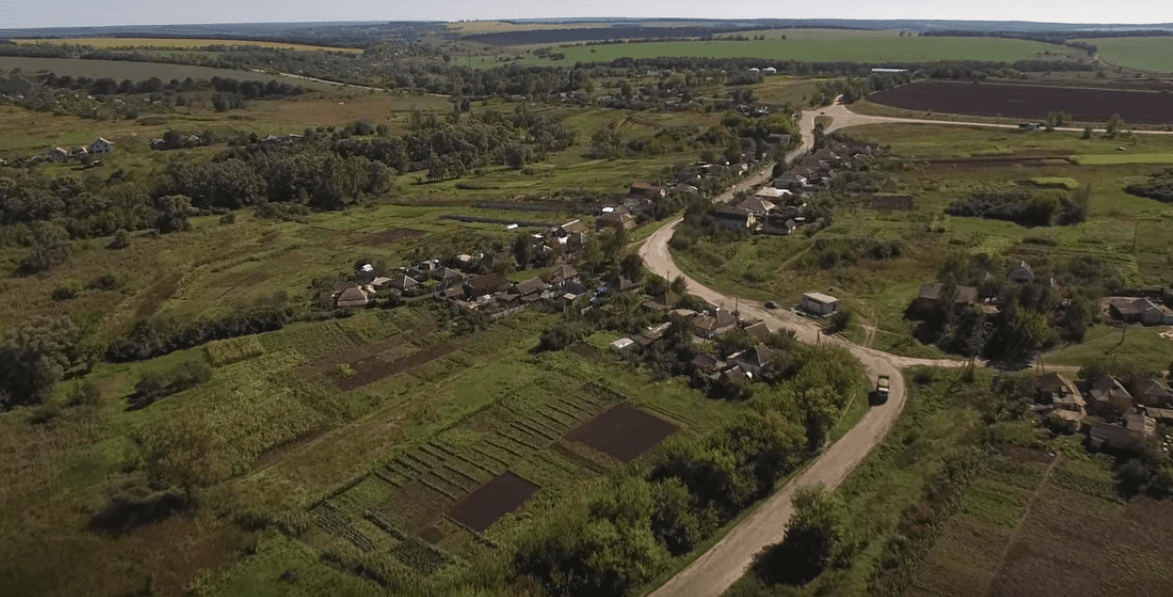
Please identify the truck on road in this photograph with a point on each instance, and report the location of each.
(881, 389)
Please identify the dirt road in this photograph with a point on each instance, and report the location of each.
(717, 569)
(842, 117)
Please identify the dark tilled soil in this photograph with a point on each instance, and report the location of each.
(504, 494)
(622, 432)
(1030, 102)
(374, 369)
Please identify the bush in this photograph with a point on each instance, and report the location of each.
(160, 385)
(121, 239)
(106, 281)
(63, 293)
(840, 320)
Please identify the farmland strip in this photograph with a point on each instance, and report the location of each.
(386, 477)
(564, 450)
(537, 427)
(563, 425)
(433, 487)
(471, 462)
(513, 438)
(504, 463)
(506, 449)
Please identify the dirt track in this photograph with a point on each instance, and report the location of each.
(717, 569)
(842, 117)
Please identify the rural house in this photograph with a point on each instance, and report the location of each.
(1150, 392)
(562, 274)
(1022, 273)
(755, 359)
(404, 283)
(930, 296)
(735, 218)
(352, 296)
(529, 291)
(707, 364)
(445, 275)
(1114, 437)
(1106, 396)
(646, 190)
(779, 226)
(713, 324)
(1140, 424)
(616, 220)
(652, 334)
(757, 206)
(58, 154)
(1058, 391)
(819, 303)
(485, 285)
(757, 332)
(102, 146)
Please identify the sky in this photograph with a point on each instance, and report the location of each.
(72, 13)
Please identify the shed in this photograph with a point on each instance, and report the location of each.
(622, 344)
(819, 303)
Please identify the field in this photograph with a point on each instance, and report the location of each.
(1030, 102)
(139, 71)
(1033, 525)
(23, 132)
(177, 43)
(1142, 53)
(623, 432)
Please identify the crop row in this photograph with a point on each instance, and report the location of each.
(424, 558)
(330, 518)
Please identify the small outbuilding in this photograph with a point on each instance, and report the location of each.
(819, 303)
(622, 344)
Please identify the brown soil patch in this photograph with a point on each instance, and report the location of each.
(373, 369)
(504, 494)
(622, 432)
(585, 350)
(391, 236)
(1073, 544)
(431, 535)
(1029, 102)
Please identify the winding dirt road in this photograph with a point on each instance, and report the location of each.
(718, 568)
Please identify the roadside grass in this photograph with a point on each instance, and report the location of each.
(1135, 158)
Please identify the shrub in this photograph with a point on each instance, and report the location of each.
(160, 385)
(64, 293)
(106, 281)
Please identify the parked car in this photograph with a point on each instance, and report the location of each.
(771, 305)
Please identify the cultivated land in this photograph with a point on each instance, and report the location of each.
(138, 71)
(1029, 102)
(1142, 53)
(838, 47)
(177, 43)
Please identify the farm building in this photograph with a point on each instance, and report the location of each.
(819, 303)
(779, 227)
(769, 70)
(483, 285)
(715, 323)
(1139, 310)
(616, 220)
(102, 146)
(622, 344)
(772, 194)
(1150, 392)
(755, 359)
(403, 283)
(1112, 436)
(1060, 392)
(758, 206)
(58, 154)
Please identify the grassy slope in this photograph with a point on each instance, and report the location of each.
(1143, 53)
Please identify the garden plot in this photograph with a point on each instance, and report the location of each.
(623, 432)
(392, 236)
(504, 494)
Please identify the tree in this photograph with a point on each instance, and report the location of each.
(48, 247)
(172, 212)
(121, 239)
(36, 355)
(1052, 118)
(813, 537)
(631, 267)
(523, 250)
(1113, 126)
(679, 285)
(517, 155)
(1087, 132)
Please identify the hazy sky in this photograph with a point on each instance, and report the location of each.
(68, 13)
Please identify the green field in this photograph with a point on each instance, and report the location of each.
(1142, 53)
(138, 71)
(877, 48)
(178, 43)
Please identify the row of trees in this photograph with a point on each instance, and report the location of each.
(1026, 207)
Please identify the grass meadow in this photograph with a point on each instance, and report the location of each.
(1141, 53)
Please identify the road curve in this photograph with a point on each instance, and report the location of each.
(719, 567)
